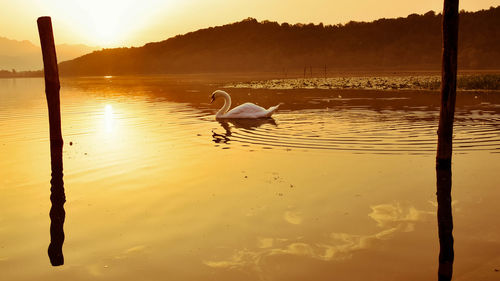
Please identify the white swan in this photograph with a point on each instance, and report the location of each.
(246, 110)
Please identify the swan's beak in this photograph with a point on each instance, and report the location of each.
(212, 99)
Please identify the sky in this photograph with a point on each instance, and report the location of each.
(115, 23)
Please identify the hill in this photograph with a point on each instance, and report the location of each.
(24, 55)
(411, 43)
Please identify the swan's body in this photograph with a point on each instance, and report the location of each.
(246, 110)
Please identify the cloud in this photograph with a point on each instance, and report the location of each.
(293, 217)
(387, 215)
(391, 218)
(130, 251)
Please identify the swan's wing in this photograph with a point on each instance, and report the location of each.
(250, 110)
(272, 109)
(247, 107)
(246, 110)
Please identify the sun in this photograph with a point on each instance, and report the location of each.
(105, 28)
(105, 23)
(108, 21)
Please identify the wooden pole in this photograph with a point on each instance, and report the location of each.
(448, 83)
(445, 139)
(51, 73)
(52, 87)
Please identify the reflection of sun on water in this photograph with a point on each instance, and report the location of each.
(109, 122)
(126, 138)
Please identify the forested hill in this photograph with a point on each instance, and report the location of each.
(411, 43)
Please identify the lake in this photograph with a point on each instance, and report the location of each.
(339, 185)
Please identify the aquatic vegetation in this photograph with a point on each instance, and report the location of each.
(375, 83)
(409, 82)
(483, 82)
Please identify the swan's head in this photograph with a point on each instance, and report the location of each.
(216, 94)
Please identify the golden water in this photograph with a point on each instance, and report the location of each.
(340, 185)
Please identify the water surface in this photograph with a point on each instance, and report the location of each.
(340, 184)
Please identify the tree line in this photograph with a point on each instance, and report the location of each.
(410, 43)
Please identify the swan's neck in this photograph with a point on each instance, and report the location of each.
(226, 106)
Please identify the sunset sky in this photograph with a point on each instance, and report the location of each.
(111, 23)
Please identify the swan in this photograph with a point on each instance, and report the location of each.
(246, 110)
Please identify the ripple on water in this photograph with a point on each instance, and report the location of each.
(362, 131)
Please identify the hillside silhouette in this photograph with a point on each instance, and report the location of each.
(24, 55)
(411, 43)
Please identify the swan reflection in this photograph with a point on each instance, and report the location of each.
(245, 124)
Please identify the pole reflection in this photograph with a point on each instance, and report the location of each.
(57, 198)
(445, 223)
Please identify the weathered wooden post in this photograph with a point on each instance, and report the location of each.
(52, 87)
(445, 138)
(448, 83)
(51, 73)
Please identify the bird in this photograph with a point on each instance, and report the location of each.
(244, 111)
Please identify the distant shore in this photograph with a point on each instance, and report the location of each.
(365, 80)
(20, 74)
(266, 75)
